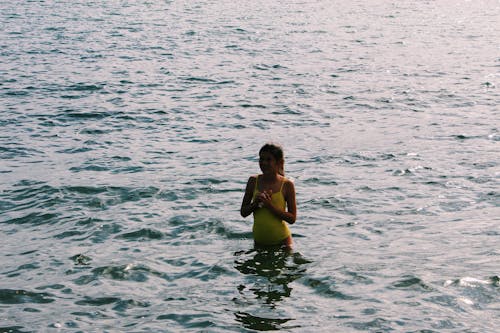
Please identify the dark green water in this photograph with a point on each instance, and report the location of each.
(129, 129)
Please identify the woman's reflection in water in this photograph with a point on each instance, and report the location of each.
(269, 271)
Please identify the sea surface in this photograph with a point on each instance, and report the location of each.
(129, 130)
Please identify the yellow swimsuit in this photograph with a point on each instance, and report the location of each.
(267, 228)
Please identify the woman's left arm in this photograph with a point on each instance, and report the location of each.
(291, 202)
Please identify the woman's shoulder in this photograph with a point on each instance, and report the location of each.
(253, 179)
(288, 183)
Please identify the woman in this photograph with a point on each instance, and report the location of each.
(271, 199)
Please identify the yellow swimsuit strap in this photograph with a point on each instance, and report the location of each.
(256, 188)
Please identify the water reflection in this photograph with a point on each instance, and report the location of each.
(261, 323)
(269, 273)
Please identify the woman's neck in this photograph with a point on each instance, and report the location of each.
(270, 176)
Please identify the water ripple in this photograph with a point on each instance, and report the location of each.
(9, 296)
(130, 128)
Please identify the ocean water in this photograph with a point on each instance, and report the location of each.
(130, 128)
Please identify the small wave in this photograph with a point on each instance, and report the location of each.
(103, 231)
(475, 292)
(90, 190)
(34, 219)
(287, 111)
(455, 205)
(408, 171)
(90, 167)
(107, 196)
(125, 304)
(265, 67)
(494, 136)
(357, 157)
(471, 282)
(19, 270)
(168, 195)
(16, 329)
(89, 301)
(194, 320)
(16, 93)
(179, 225)
(119, 304)
(375, 325)
(68, 114)
(210, 272)
(260, 323)
(17, 152)
(483, 165)
(85, 87)
(348, 206)
(71, 233)
(325, 287)
(255, 106)
(18, 296)
(462, 137)
(96, 131)
(72, 96)
(142, 234)
(199, 79)
(207, 181)
(320, 181)
(28, 195)
(127, 272)
(492, 196)
(413, 283)
(75, 150)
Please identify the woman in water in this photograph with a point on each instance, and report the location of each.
(271, 199)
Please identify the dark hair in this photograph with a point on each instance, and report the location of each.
(277, 152)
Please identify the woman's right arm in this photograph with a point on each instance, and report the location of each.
(247, 206)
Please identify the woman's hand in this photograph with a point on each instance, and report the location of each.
(265, 198)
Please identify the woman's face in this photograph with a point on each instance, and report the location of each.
(267, 163)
